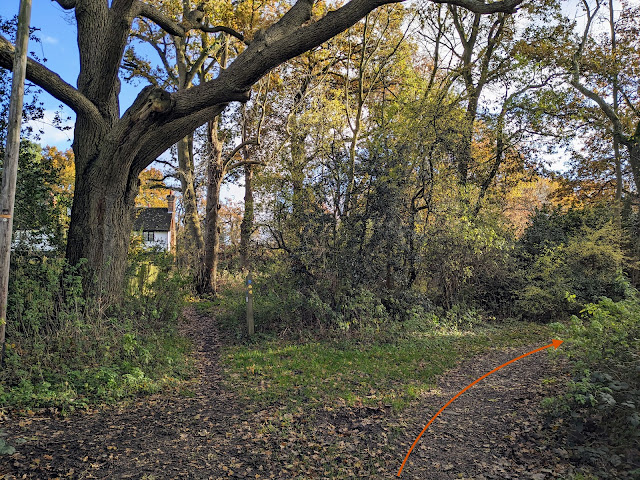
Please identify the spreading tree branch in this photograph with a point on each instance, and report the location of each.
(477, 6)
(142, 9)
(289, 37)
(164, 162)
(233, 153)
(243, 163)
(51, 82)
(223, 29)
(590, 94)
(172, 27)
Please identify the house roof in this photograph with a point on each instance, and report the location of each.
(152, 219)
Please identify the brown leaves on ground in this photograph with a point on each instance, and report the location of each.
(494, 431)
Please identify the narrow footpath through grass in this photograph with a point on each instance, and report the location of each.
(341, 407)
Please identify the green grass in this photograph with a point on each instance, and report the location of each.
(394, 370)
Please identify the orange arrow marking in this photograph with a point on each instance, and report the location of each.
(554, 343)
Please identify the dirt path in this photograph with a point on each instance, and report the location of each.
(491, 432)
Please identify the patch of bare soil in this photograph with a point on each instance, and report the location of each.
(493, 431)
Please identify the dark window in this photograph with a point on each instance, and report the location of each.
(149, 236)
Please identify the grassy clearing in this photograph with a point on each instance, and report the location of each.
(388, 368)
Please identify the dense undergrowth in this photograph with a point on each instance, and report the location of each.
(64, 353)
(602, 402)
(323, 339)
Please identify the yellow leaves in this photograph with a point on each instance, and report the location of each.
(525, 197)
(150, 195)
(63, 162)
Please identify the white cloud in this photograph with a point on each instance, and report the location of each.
(51, 135)
(49, 39)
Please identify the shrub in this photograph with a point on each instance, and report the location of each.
(603, 345)
(65, 353)
(468, 261)
(581, 262)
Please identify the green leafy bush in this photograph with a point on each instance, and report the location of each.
(468, 261)
(65, 353)
(603, 345)
(577, 262)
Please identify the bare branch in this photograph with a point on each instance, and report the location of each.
(227, 30)
(604, 106)
(197, 65)
(253, 141)
(629, 103)
(170, 26)
(52, 83)
(162, 54)
(175, 175)
(590, 94)
(244, 163)
(164, 162)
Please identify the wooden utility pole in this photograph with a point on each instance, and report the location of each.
(10, 169)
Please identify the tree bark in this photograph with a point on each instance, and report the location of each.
(100, 229)
(215, 175)
(633, 146)
(246, 227)
(194, 241)
(474, 84)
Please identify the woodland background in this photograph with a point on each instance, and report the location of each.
(429, 169)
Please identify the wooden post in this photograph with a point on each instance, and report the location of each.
(10, 169)
(250, 325)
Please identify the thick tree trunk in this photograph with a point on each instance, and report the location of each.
(246, 227)
(215, 175)
(194, 240)
(101, 222)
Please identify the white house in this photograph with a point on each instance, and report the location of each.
(32, 240)
(157, 225)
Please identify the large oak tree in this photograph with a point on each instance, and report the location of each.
(112, 148)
